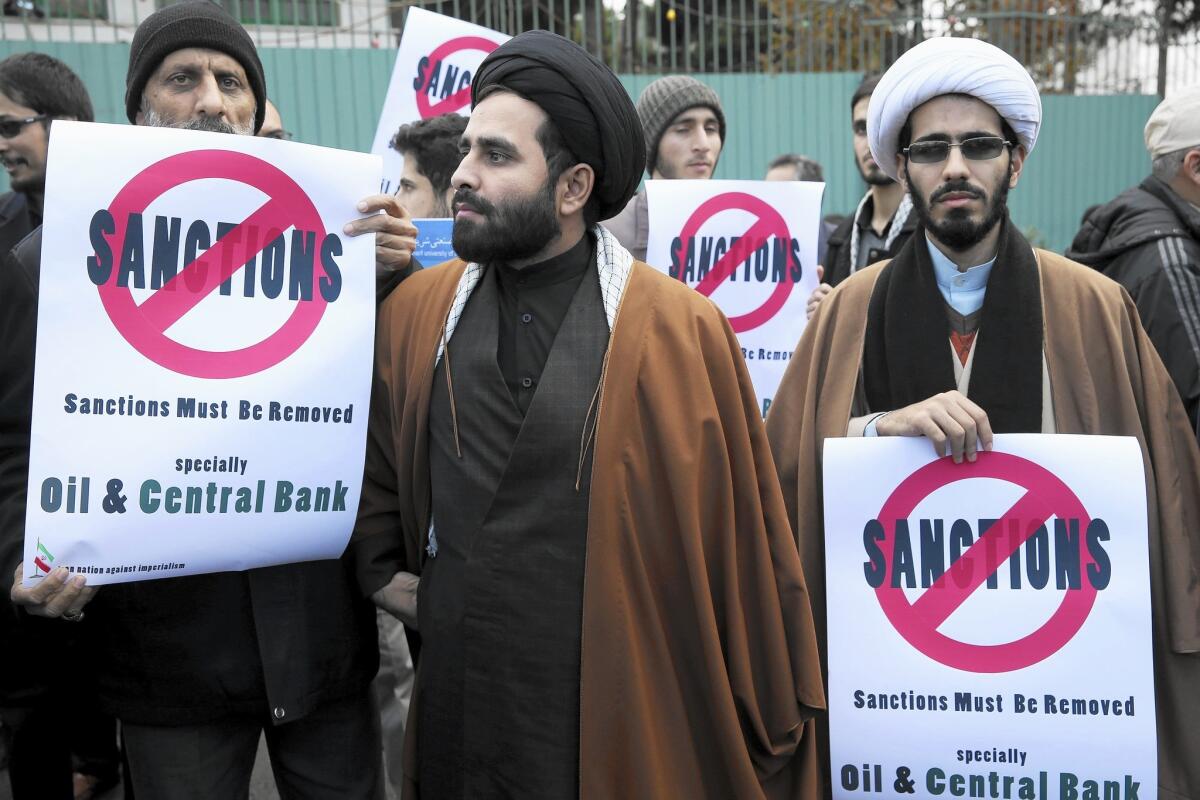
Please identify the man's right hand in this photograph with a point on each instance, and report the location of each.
(952, 422)
(818, 294)
(59, 594)
(399, 598)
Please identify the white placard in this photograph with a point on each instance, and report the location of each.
(1023, 670)
(197, 408)
(751, 246)
(436, 61)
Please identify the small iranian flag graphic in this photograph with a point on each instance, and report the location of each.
(44, 560)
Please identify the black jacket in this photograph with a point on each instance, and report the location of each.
(279, 641)
(837, 253)
(16, 221)
(1148, 240)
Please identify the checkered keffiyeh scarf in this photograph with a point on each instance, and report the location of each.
(613, 261)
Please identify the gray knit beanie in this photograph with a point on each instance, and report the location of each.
(193, 23)
(667, 98)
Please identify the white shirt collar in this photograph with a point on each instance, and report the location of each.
(964, 291)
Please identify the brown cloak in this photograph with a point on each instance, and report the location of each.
(1105, 378)
(700, 675)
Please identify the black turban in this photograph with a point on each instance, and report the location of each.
(585, 101)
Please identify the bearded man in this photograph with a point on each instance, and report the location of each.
(568, 489)
(200, 668)
(881, 223)
(969, 331)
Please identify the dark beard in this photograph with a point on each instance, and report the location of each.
(957, 231)
(516, 230)
(875, 178)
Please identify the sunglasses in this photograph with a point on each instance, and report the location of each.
(980, 148)
(13, 127)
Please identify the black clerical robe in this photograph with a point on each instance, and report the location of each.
(501, 598)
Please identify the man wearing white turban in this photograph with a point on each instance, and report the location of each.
(1037, 343)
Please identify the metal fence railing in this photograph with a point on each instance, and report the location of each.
(1069, 46)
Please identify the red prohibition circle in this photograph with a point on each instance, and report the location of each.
(769, 223)
(144, 326)
(1046, 496)
(460, 99)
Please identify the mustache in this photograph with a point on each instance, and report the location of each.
(955, 187)
(153, 119)
(463, 195)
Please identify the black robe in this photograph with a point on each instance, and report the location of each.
(500, 604)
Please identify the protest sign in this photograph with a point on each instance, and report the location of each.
(435, 241)
(203, 353)
(989, 625)
(436, 61)
(750, 246)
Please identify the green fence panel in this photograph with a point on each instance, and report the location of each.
(1090, 148)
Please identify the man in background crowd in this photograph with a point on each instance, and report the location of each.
(1148, 240)
(430, 151)
(684, 126)
(272, 127)
(792, 167)
(37, 689)
(430, 148)
(882, 222)
(208, 664)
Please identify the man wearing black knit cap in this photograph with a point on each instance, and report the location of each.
(199, 668)
(684, 125)
(568, 490)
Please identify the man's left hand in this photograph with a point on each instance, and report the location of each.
(395, 235)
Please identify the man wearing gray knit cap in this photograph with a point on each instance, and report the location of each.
(684, 126)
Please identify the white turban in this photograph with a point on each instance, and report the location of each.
(950, 66)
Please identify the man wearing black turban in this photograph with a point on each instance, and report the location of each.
(567, 474)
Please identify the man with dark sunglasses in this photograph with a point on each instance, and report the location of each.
(970, 331)
(201, 668)
(35, 89)
(38, 689)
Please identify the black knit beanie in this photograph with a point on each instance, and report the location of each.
(192, 23)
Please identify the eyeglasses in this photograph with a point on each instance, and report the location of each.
(980, 148)
(13, 127)
(278, 134)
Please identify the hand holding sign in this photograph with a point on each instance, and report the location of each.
(58, 595)
(395, 235)
(952, 422)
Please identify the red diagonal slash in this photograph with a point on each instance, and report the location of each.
(463, 96)
(1046, 495)
(769, 223)
(144, 326)
(980, 560)
(750, 241)
(168, 305)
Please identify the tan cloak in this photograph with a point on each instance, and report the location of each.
(699, 665)
(1106, 378)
